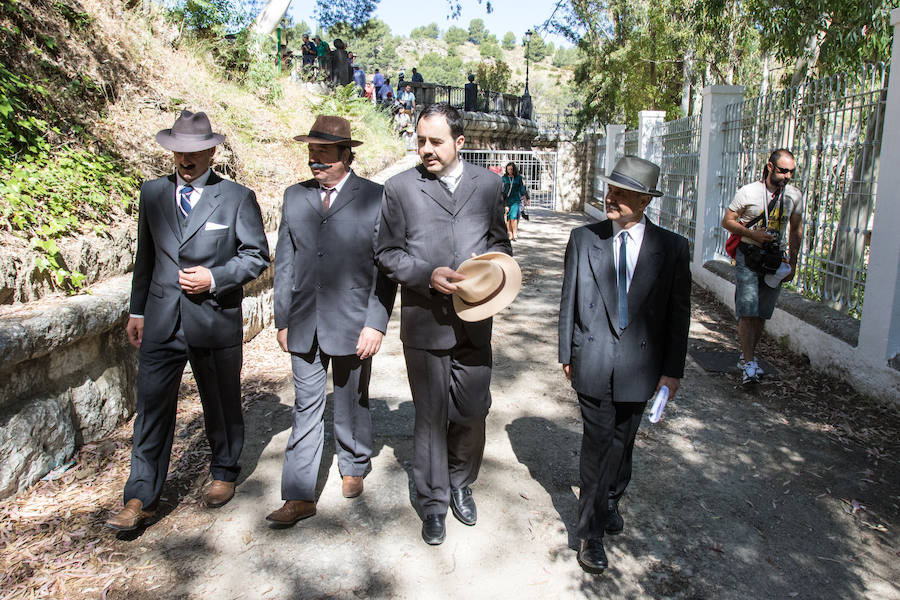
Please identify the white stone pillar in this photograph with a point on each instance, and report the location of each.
(712, 145)
(879, 328)
(647, 120)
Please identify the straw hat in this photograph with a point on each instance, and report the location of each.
(190, 133)
(492, 282)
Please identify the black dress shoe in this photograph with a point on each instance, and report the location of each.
(592, 556)
(434, 530)
(614, 522)
(463, 505)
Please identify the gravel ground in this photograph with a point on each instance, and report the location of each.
(789, 491)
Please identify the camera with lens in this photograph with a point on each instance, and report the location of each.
(765, 258)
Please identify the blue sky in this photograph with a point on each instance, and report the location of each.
(403, 15)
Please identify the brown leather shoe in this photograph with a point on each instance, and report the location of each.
(218, 493)
(129, 518)
(291, 512)
(352, 486)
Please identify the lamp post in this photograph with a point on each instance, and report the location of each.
(525, 108)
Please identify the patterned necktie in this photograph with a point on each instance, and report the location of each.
(184, 201)
(326, 199)
(623, 280)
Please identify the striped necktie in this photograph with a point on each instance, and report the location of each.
(326, 199)
(184, 201)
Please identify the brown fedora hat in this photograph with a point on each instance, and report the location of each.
(635, 174)
(329, 130)
(190, 133)
(492, 282)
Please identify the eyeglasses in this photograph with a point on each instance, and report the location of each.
(785, 170)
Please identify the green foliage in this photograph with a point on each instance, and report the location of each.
(565, 57)
(77, 18)
(48, 195)
(22, 131)
(477, 31)
(454, 36)
(493, 76)
(209, 18)
(346, 102)
(430, 31)
(443, 70)
(509, 41)
(490, 49)
(353, 12)
(372, 43)
(537, 49)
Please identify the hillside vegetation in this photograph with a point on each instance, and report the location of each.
(85, 87)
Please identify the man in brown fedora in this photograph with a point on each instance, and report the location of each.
(332, 307)
(200, 239)
(623, 331)
(434, 217)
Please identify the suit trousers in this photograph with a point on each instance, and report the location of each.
(606, 457)
(352, 420)
(451, 393)
(218, 375)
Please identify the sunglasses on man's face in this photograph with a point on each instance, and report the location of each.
(785, 170)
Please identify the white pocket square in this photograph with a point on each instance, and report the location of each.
(210, 226)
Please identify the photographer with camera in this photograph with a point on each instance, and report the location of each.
(760, 217)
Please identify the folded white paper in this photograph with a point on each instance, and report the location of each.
(659, 404)
(211, 226)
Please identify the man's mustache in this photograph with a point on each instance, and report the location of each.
(318, 165)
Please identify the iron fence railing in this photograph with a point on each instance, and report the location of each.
(677, 143)
(487, 101)
(537, 168)
(833, 126)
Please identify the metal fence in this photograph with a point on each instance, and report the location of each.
(485, 101)
(537, 168)
(677, 143)
(834, 127)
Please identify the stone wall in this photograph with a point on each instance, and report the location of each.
(490, 131)
(68, 375)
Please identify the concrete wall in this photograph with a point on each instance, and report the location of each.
(68, 375)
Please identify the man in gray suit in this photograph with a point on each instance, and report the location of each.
(434, 217)
(332, 306)
(623, 331)
(200, 239)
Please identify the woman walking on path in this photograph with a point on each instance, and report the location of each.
(514, 193)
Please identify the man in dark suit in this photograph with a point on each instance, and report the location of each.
(434, 217)
(200, 239)
(623, 331)
(332, 305)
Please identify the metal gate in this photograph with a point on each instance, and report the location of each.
(537, 167)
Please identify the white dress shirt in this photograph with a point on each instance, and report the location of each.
(337, 189)
(451, 179)
(632, 249)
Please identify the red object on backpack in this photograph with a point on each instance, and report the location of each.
(731, 244)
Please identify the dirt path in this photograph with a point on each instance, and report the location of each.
(788, 492)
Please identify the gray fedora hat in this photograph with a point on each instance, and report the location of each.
(635, 174)
(190, 133)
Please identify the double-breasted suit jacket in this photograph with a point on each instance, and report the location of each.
(326, 282)
(224, 233)
(424, 227)
(327, 289)
(655, 341)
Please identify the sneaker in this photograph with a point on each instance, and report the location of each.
(741, 363)
(750, 373)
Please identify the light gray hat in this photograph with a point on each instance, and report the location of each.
(190, 133)
(635, 174)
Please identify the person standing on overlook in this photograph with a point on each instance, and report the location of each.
(200, 239)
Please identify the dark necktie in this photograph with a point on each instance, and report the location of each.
(326, 199)
(184, 201)
(623, 280)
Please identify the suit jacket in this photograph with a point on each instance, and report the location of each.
(224, 233)
(326, 283)
(659, 306)
(423, 227)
